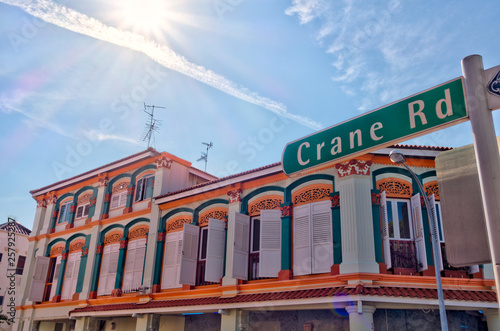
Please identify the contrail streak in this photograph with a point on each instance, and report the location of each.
(77, 22)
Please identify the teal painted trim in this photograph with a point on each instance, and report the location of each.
(246, 198)
(60, 279)
(160, 248)
(136, 173)
(286, 238)
(81, 273)
(144, 262)
(377, 235)
(52, 243)
(62, 197)
(130, 197)
(196, 212)
(431, 173)
(96, 272)
(122, 253)
(73, 237)
(106, 230)
(337, 234)
(83, 189)
(132, 223)
(225, 254)
(427, 238)
(289, 188)
(394, 170)
(163, 223)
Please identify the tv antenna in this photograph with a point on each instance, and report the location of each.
(204, 155)
(152, 126)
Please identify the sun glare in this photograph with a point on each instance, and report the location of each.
(144, 16)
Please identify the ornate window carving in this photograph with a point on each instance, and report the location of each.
(178, 223)
(84, 198)
(56, 250)
(395, 188)
(312, 194)
(266, 203)
(121, 186)
(76, 246)
(112, 238)
(432, 188)
(138, 232)
(219, 214)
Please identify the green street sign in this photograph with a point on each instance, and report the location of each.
(441, 106)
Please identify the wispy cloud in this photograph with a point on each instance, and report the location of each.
(100, 136)
(374, 49)
(74, 21)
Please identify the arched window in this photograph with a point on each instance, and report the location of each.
(144, 188)
(109, 263)
(71, 272)
(134, 260)
(119, 195)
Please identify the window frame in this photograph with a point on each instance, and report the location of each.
(122, 200)
(85, 207)
(66, 212)
(254, 236)
(20, 269)
(141, 187)
(203, 242)
(396, 234)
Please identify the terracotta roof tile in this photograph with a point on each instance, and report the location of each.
(486, 296)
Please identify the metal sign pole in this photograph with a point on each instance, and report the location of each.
(487, 156)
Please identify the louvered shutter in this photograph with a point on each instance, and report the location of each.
(55, 278)
(115, 201)
(39, 278)
(103, 274)
(322, 237)
(171, 260)
(270, 243)
(68, 275)
(385, 230)
(302, 257)
(112, 267)
(128, 275)
(432, 203)
(189, 259)
(241, 237)
(140, 255)
(79, 212)
(418, 227)
(216, 245)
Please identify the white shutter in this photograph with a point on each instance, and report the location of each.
(385, 230)
(189, 258)
(322, 237)
(39, 278)
(71, 276)
(128, 274)
(140, 255)
(302, 257)
(115, 201)
(216, 244)
(241, 235)
(55, 278)
(270, 243)
(112, 267)
(418, 229)
(79, 212)
(103, 274)
(432, 203)
(171, 260)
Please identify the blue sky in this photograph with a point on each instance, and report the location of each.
(250, 76)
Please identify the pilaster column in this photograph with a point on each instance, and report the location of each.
(120, 269)
(231, 320)
(92, 270)
(95, 271)
(160, 248)
(358, 253)
(162, 176)
(41, 208)
(148, 322)
(101, 192)
(86, 324)
(130, 197)
(492, 319)
(361, 317)
(72, 212)
(234, 207)
(50, 214)
(286, 244)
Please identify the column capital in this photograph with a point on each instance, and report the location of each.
(103, 179)
(163, 162)
(335, 199)
(365, 309)
(353, 167)
(286, 210)
(41, 202)
(234, 195)
(51, 198)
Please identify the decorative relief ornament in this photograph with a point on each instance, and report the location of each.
(103, 181)
(177, 224)
(130, 190)
(234, 195)
(375, 198)
(51, 199)
(264, 204)
(353, 167)
(314, 194)
(76, 246)
(286, 211)
(161, 236)
(217, 214)
(42, 203)
(335, 199)
(163, 162)
(99, 249)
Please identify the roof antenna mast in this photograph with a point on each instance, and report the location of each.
(204, 155)
(152, 126)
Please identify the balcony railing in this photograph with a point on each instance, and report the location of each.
(403, 254)
(200, 274)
